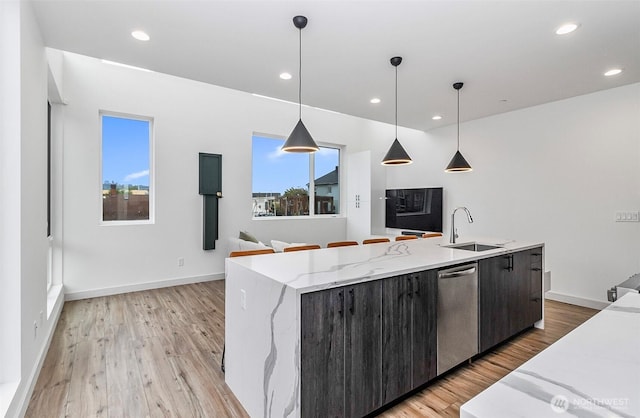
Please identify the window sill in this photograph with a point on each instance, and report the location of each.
(53, 295)
(289, 218)
(126, 223)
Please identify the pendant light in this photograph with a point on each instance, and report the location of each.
(458, 164)
(300, 139)
(396, 154)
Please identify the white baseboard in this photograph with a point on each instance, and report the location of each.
(116, 290)
(25, 389)
(574, 300)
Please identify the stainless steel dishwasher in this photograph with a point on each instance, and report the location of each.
(457, 315)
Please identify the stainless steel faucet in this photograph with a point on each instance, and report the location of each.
(454, 232)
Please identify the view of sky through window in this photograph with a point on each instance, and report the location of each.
(126, 163)
(275, 171)
(125, 151)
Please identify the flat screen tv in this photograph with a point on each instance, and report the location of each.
(415, 209)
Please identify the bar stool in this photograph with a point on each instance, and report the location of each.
(302, 248)
(375, 240)
(406, 237)
(341, 244)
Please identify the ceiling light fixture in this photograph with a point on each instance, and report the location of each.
(396, 154)
(436, 117)
(566, 28)
(285, 76)
(613, 71)
(140, 35)
(375, 100)
(300, 139)
(458, 164)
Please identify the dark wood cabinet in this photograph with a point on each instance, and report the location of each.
(534, 310)
(322, 348)
(365, 345)
(493, 303)
(510, 295)
(423, 327)
(397, 300)
(363, 348)
(341, 351)
(408, 333)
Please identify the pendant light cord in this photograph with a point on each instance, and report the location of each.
(300, 74)
(396, 102)
(458, 120)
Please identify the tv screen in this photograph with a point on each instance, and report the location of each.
(416, 209)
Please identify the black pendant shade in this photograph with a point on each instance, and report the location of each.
(396, 154)
(458, 163)
(300, 139)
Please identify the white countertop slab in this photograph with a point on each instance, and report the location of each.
(313, 270)
(594, 371)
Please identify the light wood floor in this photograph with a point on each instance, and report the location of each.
(157, 353)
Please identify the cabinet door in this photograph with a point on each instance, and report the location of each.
(520, 292)
(535, 286)
(322, 353)
(423, 319)
(494, 305)
(358, 188)
(397, 295)
(363, 348)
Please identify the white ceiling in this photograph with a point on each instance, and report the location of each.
(506, 52)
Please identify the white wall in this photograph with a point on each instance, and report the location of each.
(555, 173)
(9, 208)
(23, 216)
(190, 117)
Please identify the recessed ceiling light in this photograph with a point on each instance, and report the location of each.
(375, 100)
(566, 28)
(140, 35)
(285, 76)
(613, 71)
(436, 117)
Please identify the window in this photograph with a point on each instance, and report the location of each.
(126, 168)
(282, 180)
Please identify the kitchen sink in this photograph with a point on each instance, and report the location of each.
(472, 246)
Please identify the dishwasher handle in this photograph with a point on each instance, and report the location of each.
(446, 275)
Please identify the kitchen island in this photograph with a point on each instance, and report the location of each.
(309, 334)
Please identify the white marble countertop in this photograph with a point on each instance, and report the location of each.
(308, 271)
(594, 371)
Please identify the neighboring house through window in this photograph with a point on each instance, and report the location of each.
(281, 180)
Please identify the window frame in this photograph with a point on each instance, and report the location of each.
(152, 190)
(312, 215)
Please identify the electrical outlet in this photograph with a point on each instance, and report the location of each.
(243, 299)
(180, 261)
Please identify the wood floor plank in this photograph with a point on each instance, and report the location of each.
(88, 386)
(157, 353)
(125, 393)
